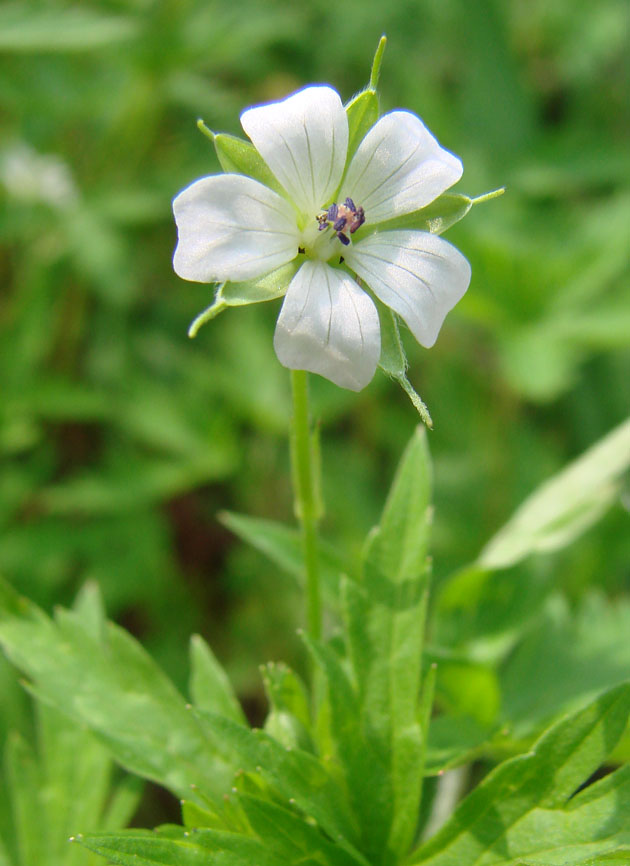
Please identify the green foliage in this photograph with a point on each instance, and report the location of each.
(566, 505)
(336, 778)
(66, 780)
(105, 680)
(527, 810)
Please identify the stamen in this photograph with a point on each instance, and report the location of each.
(343, 217)
(359, 219)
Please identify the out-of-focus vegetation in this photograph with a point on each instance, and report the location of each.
(121, 439)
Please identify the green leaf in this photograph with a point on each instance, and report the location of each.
(453, 740)
(567, 656)
(393, 360)
(210, 687)
(564, 507)
(362, 113)
(282, 545)
(366, 773)
(111, 685)
(25, 791)
(175, 846)
(527, 809)
(194, 815)
(25, 28)
(289, 837)
(289, 718)
(385, 615)
(295, 775)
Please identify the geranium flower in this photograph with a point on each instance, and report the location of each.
(331, 214)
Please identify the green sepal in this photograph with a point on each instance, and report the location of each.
(440, 215)
(436, 217)
(393, 360)
(266, 288)
(362, 112)
(238, 156)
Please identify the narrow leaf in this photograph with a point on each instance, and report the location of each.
(291, 838)
(210, 687)
(385, 613)
(282, 545)
(25, 789)
(564, 507)
(178, 847)
(366, 774)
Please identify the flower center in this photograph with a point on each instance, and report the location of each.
(343, 218)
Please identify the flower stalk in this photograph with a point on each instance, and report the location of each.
(305, 471)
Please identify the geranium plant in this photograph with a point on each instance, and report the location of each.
(340, 213)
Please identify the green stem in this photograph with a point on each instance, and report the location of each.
(307, 506)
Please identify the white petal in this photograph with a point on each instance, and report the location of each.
(419, 275)
(231, 227)
(304, 141)
(328, 325)
(399, 167)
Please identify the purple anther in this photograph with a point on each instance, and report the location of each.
(344, 240)
(359, 219)
(332, 213)
(322, 226)
(350, 205)
(340, 225)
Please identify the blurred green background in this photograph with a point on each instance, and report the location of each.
(120, 439)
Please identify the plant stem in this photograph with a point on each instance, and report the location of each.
(304, 464)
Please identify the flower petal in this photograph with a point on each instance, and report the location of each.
(399, 167)
(304, 141)
(419, 275)
(328, 325)
(231, 227)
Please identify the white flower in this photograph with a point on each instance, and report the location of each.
(233, 228)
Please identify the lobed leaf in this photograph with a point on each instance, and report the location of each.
(110, 684)
(526, 809)
(297, 776)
